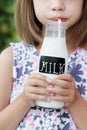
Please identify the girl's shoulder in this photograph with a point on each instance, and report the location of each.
(78, 52)
(21, 48)
(78, 56)
(6, 56)
(6, 62)
(23, 52)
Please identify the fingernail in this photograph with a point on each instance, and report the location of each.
(52, 94)
(49, 80)
(48, 98)
(50, 87)
(56, 76)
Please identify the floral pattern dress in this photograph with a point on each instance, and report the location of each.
(25, 59)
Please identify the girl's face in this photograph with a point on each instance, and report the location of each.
(68, 10)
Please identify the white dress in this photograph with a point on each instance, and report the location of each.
(25, 59)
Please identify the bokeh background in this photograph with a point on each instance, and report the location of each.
(7, 26)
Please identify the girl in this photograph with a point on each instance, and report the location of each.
(19, 85)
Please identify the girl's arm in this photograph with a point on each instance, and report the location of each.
(73, 100)
(78, 111)
(10, 114)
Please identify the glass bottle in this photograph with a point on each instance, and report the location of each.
(53, 56)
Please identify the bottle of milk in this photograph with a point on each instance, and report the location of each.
(53, 56)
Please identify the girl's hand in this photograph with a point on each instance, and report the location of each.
(63, 88)
(35, 88)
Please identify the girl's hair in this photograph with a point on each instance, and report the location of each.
(31, 30)
(77, 34)
(28, 26)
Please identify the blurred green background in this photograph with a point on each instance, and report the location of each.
(7, 26)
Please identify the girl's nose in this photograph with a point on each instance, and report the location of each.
(57, 5)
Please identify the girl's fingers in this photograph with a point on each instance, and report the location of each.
(36, 82)
(36, 90)
(35, 87)
(37, 97)
(64, 88)
(37, 76)
(66, 77)
(61, 91)
(60, 83)
(65, 99)
(65, 81)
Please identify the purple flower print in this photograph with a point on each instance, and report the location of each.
(19, 72)
(22, 125)
(84, 58)
(29, 64)
(81, 89)
(66, 127)
(36, 53)
(76, 72)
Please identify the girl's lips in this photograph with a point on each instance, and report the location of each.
(57, 18)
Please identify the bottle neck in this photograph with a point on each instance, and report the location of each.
(55, 29)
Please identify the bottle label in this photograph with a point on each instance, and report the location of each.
(52, 65)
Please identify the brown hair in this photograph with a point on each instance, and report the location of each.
(28, 26)
(31, 30)
(77, 34)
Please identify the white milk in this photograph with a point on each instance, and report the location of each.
(53, 57)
